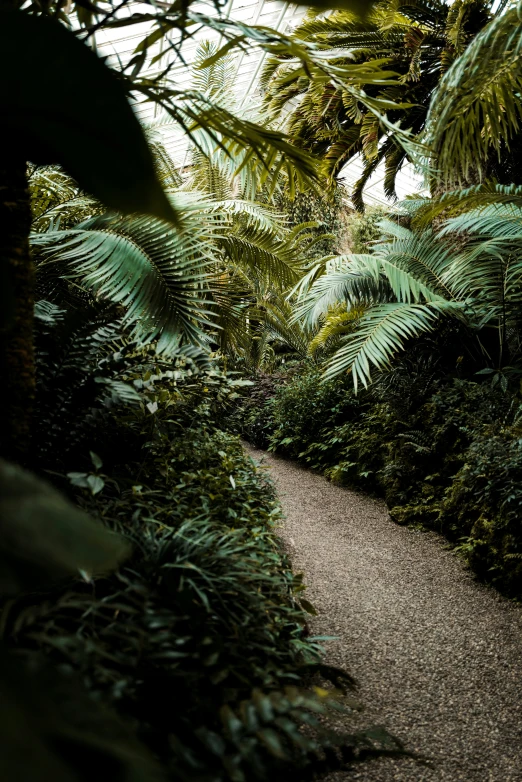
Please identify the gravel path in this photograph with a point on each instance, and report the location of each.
(438, 657)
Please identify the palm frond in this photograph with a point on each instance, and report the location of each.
(489, 266)
(453, 202)
(477, 105)
(278, 326)
(396, 56)
(336, 324)
(420, 256)
(381, 334)
(316, 270)
(406, 266)
(501, 221)
(160, 275)
(264, 254)
(358, 279)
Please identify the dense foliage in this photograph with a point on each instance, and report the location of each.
(443, 453)
(398, 54)
(151, 626)
(199, 640)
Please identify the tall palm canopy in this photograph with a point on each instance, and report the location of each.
(401, 51)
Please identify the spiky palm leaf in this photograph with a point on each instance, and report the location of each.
(477, 107)
(381, 334)
(397, 56)
(357, 279)
(471, 270)
(160, 275)
(177, 284)
(406, 266)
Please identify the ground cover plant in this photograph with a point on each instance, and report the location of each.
(198, 641)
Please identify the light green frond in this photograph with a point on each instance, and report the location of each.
(336, 324)
(496, 221)
(359, 280)
(489, 266)
(262, 216)
(313, 273)
(382, 333)
(214, 79)
(420, 255)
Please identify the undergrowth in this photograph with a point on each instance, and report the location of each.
(198, 642)
(444, 453)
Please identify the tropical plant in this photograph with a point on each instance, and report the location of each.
(422, 212)
(414, 280)
(106, 151)
(95, 136)
(474, 118)
(217, 279)
(160, 275)
(398, 55)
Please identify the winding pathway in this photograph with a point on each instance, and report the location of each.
(438, 657)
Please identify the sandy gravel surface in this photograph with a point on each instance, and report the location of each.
(438, 657)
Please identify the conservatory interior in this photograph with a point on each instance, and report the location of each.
(261, 358)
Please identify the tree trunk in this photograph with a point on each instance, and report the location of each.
(17, 371)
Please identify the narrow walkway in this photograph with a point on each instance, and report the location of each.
(438, 657)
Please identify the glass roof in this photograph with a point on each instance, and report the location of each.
(282, 16)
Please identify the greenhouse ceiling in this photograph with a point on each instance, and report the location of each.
(281, 16)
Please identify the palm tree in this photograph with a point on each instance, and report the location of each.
(414, 281)
(398, 56)
(215, 279)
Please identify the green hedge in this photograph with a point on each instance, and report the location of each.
(451, 459)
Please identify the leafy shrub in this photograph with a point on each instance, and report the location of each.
(302, 409)
(199, 641)
(444, 454)
(485, 503)
(252, 415)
